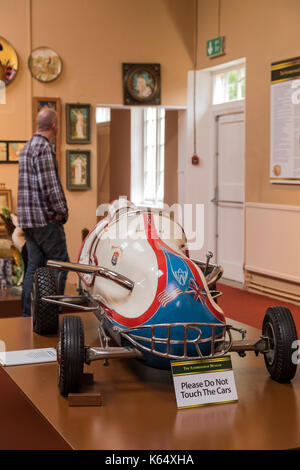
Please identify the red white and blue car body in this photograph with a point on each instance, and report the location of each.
(151, 298)
(169, 288)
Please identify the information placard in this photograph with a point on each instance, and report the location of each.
(204, 382)
(285, 122)
(27, 356)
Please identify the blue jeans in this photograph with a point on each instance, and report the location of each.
(43, 243)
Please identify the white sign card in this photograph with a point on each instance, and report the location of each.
(27, 356)
(204, 382)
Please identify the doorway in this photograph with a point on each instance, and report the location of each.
(230, 193)
(120, 151)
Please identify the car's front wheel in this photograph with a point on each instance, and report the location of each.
(70, 355)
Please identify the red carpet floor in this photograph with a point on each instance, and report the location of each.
(249, 308)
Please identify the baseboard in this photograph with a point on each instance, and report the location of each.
(229, 282)
(274, 287)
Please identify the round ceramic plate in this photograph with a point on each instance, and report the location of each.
(44, 64)
(8, 62)
(142, 84)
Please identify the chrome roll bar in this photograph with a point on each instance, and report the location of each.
(123, 281)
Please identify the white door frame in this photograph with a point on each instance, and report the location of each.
(218, 111)
(196, 182)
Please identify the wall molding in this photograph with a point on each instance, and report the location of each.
(270, 273)
(278, 207)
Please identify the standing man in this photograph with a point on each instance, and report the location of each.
(42, 206)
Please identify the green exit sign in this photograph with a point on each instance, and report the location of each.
(215, 47)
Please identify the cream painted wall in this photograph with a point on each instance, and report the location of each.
(15, 115)
(262, 31)
(93, 38)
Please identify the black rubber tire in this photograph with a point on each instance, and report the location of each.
(279, 326)
(44, 315)
(70, 353)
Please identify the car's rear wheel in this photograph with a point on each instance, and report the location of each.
(44, 314)
(279, 327)
(70, 355)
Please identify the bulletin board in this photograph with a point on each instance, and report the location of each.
(285, 122)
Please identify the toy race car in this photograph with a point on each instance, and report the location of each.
(154, 301)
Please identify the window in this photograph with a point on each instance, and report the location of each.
(229, 85)
(102, 115)
(147, 156)
(154, 153)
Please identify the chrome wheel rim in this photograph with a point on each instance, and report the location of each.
(270, 354)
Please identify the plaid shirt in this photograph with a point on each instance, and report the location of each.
(40, 193)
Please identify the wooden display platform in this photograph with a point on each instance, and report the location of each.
(85, 397)
(10, 302)
(138, 405)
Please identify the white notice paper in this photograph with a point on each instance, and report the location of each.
(27, 356)
(285, 122)
(204, 381)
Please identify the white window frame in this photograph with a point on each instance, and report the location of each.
(103, 115)
(159, 151)
(139, 155)
(225, 72)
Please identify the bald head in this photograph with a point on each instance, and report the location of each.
(45, 120)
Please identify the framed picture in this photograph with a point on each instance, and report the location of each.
(3, 152)
(14, 150)
(141, 84)
(78, 123)
(40, 103)
(5, 201)
(10, 150)
(44, 64)
(78, 169)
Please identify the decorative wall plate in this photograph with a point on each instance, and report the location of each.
(44, 64)
(141, 84)
(8, 62)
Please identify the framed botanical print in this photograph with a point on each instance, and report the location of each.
(141, 84)
(14, 150)
(54, 103)
(78, 123)
(78, 169)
